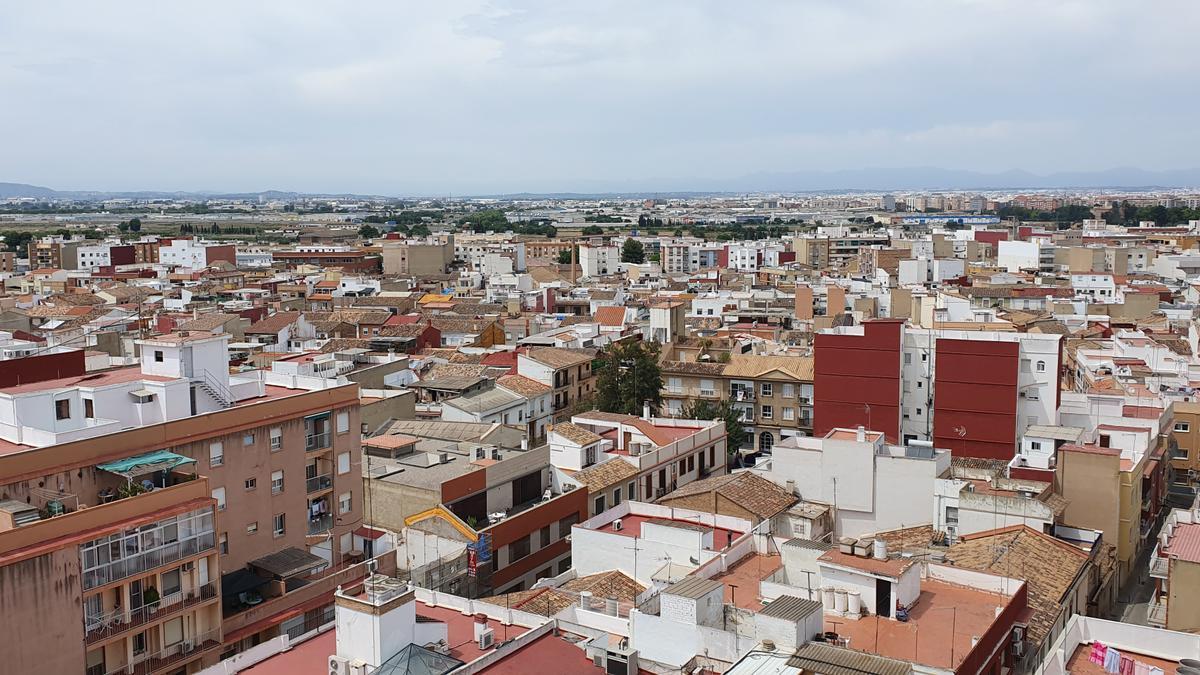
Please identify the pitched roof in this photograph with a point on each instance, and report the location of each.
(829, 660)
(274, 323)
(575, 433)
(1048, 565)
(749, 491)
(603, 476)
(522, 385)
(799, 367)
(610, 316)
(560, 357)
(614, 584)
(207, 321)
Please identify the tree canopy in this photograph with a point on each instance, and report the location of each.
(735, 430)
(368, 232)
(633, 252)
(564, 256)
(628, 377)
(593, 230)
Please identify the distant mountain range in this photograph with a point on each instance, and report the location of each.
(868, 179)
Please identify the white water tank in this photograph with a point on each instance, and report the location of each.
(827, 598)
(853, 603)
(879, 549)
(839, 600)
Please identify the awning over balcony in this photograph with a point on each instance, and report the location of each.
(289, 562)
(140, 465)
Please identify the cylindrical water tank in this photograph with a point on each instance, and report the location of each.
(879, 549)
(827, 598)
(853, 603)
(839, 600)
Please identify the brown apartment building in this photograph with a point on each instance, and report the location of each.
(567, 371)
(774, 393)
(263, 481)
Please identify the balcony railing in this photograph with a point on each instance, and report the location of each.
(321, 524)
(170, 657)
(741, 394)
(318, 483)
(1156, 614)
(316, 441)
(148, 560)
(118, 621)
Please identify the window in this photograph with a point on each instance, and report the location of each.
(951, 515)
(158, 356)
(598, 505)
(219, 495)
(518, 549)
(631, 490)
(924, 357)
(276, 482)
(1041, 366)
(223, 544)
(247, 439)
(1178, 452)
(139, 644)
(706, 388)
(62, 409)
(1032, 395)
(251, 483)
(344, 503)
(170, 583)
(216, 454)
(565, 523)
(789, 391)
(343, 463)
(276, 438)
(674, 385)
(252, 528)
(1035, 445)
(343, 422)
(277, 526)
(545, 536)
(765, 388)
(907, 358)
(1183, 427)
(789, 414)
(589, 456)
(89, 408)
(691, 461)
(616, 497)
(767, 412)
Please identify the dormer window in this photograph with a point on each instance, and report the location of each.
(62, 409)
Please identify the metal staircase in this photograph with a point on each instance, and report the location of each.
(216, 389)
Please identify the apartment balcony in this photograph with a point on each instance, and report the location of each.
(148, 560)
(299, 591)
(1156, 614)
(321, 524)
(118, 621)
(318, 483)
(1159, 565)
(313, 442)
(739, 395)
(171, 658)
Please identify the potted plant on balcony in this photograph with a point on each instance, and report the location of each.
(150, 598)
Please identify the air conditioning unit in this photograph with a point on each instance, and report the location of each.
(358, 667)
(618, 525)
(487, 639)
(339, 665)
(187, 646)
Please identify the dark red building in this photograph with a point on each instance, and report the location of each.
(975, 400)
(856, 379)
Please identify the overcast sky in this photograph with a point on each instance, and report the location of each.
(452, 97)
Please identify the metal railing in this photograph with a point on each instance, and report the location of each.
(316, 441)
(741, 394)
(118, 621)
(320, 525)
(148, 560)
(318, 483)
(171, 655)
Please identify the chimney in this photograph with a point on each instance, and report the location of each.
(861, 434)
(480, 625)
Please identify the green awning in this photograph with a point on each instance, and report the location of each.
(149, 462)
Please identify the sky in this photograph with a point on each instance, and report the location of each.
(450, 97)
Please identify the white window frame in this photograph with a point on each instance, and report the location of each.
(276, 482)
(216, 454)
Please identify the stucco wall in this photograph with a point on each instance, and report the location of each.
(41, 612)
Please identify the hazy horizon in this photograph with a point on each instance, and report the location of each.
(509, 97)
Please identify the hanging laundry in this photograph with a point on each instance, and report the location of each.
(1098, 653)
(1126, 665)
(1112, 661)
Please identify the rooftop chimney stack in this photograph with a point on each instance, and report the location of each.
(646, 410)
(861, 434)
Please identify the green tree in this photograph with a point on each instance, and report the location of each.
(735, 431)
(123, 227)
(420, 230)
(628, 377)
(633, 252)
(564, 256)
(368, 232)
(486, 220)
(135, 224)
(593, 230)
